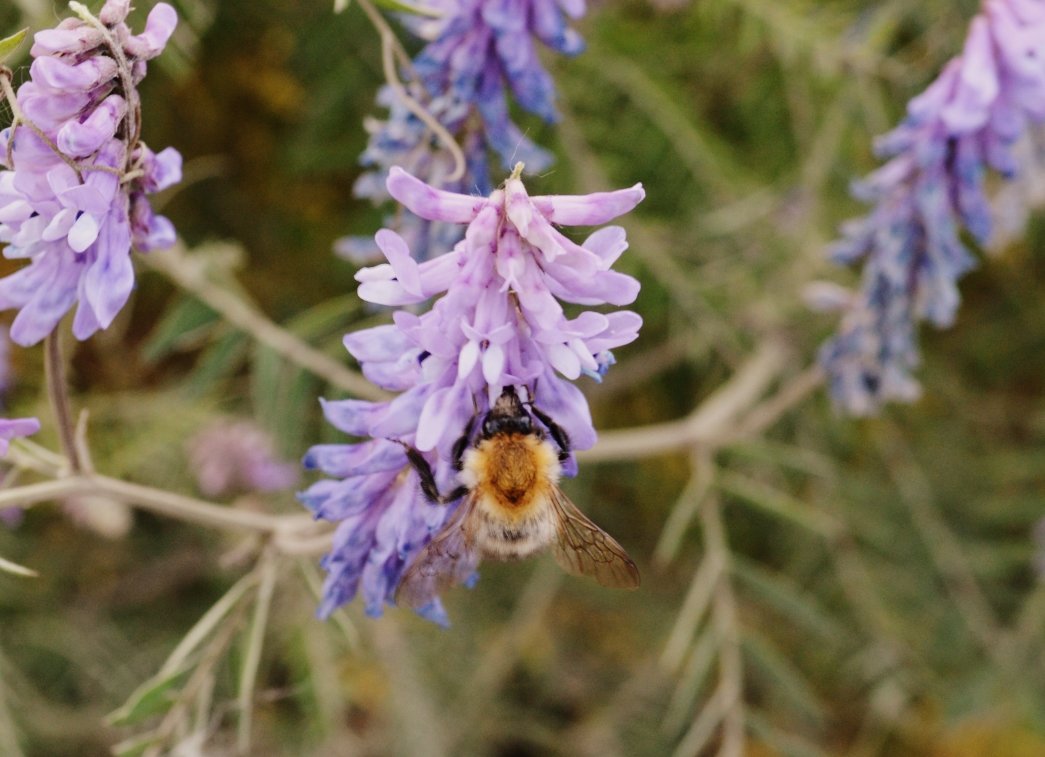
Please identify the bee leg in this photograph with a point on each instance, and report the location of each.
(429, 488)
(558, 433)
(463, 443)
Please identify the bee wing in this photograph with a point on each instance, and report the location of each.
(450, 558)
(584, 549)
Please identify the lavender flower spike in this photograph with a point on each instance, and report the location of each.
(73, 200)
(480, 54)
(933, 187)
(497, 322)
(12, 428)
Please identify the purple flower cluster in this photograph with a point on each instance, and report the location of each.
(931, 188)
(73, 200)
(497, 322)
(237, 456)
(479, 51)
(485, 48)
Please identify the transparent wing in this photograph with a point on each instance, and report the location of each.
(450, 558)
(584, 549)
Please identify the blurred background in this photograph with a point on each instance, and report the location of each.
(835, 586)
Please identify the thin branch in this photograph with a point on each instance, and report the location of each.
(701, 593)
(162, 502)
(388, 64)
(197, 681)
(724, 617)
(418, 727)
(255, 641)
(58, 393)
(770, 410)
(503, 652)
(190, 276)
(701, 478)
(945, 549)
(710, 424)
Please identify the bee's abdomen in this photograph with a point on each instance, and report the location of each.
(513, 538)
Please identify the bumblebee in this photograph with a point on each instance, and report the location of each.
(511, 507)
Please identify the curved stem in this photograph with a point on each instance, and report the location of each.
(58, 393)
(245, 316)
(388, 64)
(711, 424)
(19, 119)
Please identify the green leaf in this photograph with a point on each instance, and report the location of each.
(283, 395)
(401, 7)
(787, 744)
(135, 746)
(778, 592)
(782, 676)
(151, 698)
(217, 363)
(9, 44)
(184, 325)
(779, 504)
(206, 624)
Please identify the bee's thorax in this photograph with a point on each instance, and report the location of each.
(511, 469)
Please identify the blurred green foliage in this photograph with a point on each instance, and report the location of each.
(911, 625)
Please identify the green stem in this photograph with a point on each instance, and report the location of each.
(58, 392)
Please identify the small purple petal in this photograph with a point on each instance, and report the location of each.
(432, 204)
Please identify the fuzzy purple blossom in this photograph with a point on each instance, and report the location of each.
(964, 125)
(73, 200)
(481, 56)
(497, 321)
(237, 456)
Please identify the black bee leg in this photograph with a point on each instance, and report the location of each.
(558, 433)
(463, 443)
(427, 478)
(424, 473)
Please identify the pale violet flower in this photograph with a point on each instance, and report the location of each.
(497, 321)
(236, 456)
(481, 57)
(932, 188)
(75, 216)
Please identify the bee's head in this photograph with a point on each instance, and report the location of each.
(507, 416)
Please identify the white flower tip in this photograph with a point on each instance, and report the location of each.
(827, 297)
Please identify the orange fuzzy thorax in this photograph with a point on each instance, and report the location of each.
(510, 472)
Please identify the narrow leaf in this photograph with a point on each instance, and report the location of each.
(782, 675)
(778, 503)
(185, 324)
(400, 7)
(785, 597)
(206, 624)
(9, 44)
(135, 746)
(19, 570)
(252, 655)
(151, 698)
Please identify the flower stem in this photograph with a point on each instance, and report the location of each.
(58, 393)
